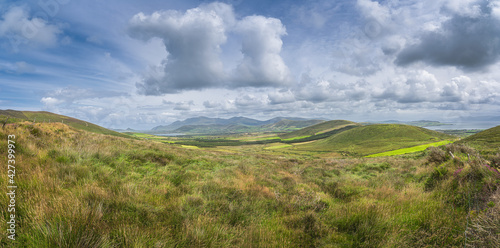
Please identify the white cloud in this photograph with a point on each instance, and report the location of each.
(19, 27)
(193, 41)
(262, 64)
(280, 97)
(50, 101)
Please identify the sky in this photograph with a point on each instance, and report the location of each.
(140, 64)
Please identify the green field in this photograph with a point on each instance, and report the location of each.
(409, 150)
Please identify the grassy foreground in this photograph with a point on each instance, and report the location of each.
(81, 189)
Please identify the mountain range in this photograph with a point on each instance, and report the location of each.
(234, 124)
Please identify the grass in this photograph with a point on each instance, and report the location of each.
(81, 189)
(371, 139)
(316, 129)
(47, 117)
(487, 140)
(277, 147)
(409, 150)
(297, 138)
(190, 147)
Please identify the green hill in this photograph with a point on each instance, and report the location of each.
(365, 140)
(317, 129)
(44, 116)
(290, 124)
(488, 140)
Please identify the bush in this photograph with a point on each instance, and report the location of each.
(436, 155)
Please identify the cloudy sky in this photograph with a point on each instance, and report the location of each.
(140, 64)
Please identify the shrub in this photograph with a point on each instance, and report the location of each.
(436, 155)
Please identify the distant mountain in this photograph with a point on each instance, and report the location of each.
(217, 123)
(12, 116)
(214, 129)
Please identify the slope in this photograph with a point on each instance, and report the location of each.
(365, 140)
(290, 124)
(317, 129)
(44, 116)
(487, 140)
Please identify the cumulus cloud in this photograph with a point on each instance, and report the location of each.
(414, 87)
(193, 41)
(468, 40)
(17, 26)
(262, 64)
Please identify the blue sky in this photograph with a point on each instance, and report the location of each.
(141, 64)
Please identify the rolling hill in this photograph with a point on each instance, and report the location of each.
(365, 140)
(286, 124)
(319, 128)
(206, 121)
(488, 139)
(42, 116)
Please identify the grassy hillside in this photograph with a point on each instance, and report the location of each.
(488, 140)
(290, 124)
(43, 116)
(365, 140)
(81, 189)
(317, 129)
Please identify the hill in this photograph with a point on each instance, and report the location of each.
(241, 121)
(318, 129)
(291, 124)
(488, 140)
(365, 140)
(44, 116)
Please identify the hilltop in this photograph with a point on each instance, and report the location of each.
(364, 140)
(12, 116)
